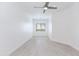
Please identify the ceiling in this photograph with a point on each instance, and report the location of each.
(29, 7)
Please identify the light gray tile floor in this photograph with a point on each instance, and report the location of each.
(42, 46)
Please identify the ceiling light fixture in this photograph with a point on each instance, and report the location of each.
(45, 8)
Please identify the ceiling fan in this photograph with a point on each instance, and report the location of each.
(45, 7)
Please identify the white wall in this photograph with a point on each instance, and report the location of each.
(66, 26)
(14, 27)
(76, 25)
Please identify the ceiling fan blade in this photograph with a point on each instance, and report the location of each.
(46, 4)
(44, 11)
(38, 7)
(52, 7)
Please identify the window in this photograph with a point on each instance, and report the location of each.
(40, 27)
